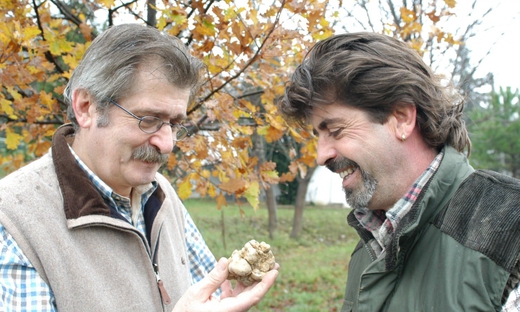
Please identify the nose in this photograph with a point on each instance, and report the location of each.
(163, 139)
(325, 150)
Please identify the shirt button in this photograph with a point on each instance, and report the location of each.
(183, 261)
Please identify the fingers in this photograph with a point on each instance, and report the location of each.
(246, 297)
(198, 297)
(227, 290)
(214, 279)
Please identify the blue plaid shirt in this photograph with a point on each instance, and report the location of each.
(22, 288)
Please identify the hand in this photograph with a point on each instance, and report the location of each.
(199, 296)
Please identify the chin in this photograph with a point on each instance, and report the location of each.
(145, 175)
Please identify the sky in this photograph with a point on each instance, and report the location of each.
(504, 59)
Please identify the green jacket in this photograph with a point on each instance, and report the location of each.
(454, 251)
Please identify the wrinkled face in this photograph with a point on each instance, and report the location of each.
(363, 153)
(120, 153)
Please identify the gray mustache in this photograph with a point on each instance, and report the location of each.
(149, 154)
(340, 163)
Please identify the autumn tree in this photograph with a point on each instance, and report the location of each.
(247, 47)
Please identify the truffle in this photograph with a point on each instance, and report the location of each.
(250, 264)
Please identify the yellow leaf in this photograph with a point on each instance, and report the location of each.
(107, 3)
(408, 16)
(212, 191)
(161, 22)
(205, 28)
(46, 99)
(31, 32)
(6, 107)
(205, 173)
(252, 193)
(184, 190)
(12, 91)
(12, 139)
(450, 3)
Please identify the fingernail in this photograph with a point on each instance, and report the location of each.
(222, 264)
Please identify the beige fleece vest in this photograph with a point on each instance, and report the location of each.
(94, 262)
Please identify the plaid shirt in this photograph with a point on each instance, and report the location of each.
(22, 288)
(382, 224)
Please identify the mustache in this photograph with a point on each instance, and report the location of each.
(149, 154)
(339, 163)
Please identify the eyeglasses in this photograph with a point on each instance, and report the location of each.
(152, 124)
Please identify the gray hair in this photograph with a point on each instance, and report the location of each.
(376, 73)
(111, 65)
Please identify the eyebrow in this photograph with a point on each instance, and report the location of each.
(179, 117)
(325, 122)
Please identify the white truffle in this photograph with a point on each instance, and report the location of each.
(250, 264)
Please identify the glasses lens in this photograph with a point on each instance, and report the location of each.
(179, 132)
(150, 124)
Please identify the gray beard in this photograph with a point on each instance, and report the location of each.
(359, 198)
(355, 198)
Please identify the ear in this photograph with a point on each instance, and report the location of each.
(404, 115)
(84, 108)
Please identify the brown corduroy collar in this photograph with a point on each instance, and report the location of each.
(80, 196)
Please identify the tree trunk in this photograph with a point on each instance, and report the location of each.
(270, 200)
(303, 185)
(151, 17)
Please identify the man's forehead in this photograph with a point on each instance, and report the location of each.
(324, 114)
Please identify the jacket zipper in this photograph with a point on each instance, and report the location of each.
(160, 284)
(164, 294)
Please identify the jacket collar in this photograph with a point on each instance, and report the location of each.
(80, 196)
(437, 192)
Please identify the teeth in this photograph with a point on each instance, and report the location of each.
(347, 172)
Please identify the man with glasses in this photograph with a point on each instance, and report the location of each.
(92, 225)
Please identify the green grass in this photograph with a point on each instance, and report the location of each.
(313, 268)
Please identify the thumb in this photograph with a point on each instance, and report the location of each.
(209, 284)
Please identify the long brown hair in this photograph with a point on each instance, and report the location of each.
(376, 73)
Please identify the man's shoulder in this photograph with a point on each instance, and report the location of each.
(484, 215)
(36, 169)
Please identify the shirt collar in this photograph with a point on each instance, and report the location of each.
(111, 198)
(382, 224)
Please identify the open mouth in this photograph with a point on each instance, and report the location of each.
(345, 173)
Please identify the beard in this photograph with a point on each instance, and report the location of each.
(357, 198)
(149, 154)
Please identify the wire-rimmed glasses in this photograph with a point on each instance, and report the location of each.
(152, 124)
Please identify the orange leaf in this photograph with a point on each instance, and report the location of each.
(287, 177)
(221, 201)
(86, 30)
(232, 186)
